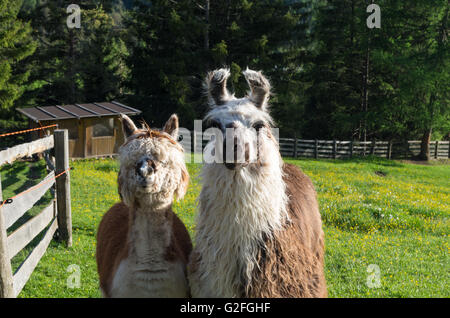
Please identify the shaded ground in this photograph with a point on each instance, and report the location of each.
(432, 162)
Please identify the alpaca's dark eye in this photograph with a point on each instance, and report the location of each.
(180, 137)
(258, 126)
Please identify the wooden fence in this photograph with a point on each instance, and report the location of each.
(334, 149)
(56, 216)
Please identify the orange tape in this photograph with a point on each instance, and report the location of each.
(34, 187)
(28, 130)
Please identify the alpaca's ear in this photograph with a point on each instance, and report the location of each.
(216, 86)
(259, 88)
(182, 187)
(129, 128)
(171, 126)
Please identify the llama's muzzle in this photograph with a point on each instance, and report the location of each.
(235, 155)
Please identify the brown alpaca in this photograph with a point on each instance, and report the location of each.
(142, 246)
(259, 230)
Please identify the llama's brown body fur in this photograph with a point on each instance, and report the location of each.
(113, 242)
(291, 263)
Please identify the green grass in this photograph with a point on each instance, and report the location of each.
(391, 214)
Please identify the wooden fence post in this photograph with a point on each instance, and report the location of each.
(63, 185)
(372, 150)
(436, 148)
(389, 151)
(316, 146)
(295, 146)
(6, 278)
(351, 148)
(406, 150)
(334, 148)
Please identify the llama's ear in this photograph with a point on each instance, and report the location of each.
(259, 88)
(171, 126)
(129, 128)
(216, 86)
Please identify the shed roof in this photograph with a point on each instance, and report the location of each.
(77, 111)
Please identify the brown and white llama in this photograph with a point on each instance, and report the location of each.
(142, 246)
(259, 230)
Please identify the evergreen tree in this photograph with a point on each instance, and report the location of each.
(166, 41)
(16, 44)
(335, 98)
(332, 76)
(413, 64)
(271, 36)
(103, 70)
(55, 66)
(76, 65)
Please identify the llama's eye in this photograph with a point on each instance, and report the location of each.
(213, 124)
(164, 163)
(258, 126)
(180, 137)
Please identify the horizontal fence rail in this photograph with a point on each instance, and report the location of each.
(25, 270)
(26, 150)
(334, 149)
(13, 211)
(28, 231)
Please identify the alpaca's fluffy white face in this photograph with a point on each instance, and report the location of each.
(152, 169)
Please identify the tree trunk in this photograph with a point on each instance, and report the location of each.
(71, 67)
(426, 138)
(365, 95)
(206, 38)
(425, 145)
(365, 90)
(206, 35)
(352, 25)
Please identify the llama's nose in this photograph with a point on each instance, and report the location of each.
(230, 156)
(145, 167)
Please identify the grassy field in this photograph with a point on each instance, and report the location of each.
(376, 212)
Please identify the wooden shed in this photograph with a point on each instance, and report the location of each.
(94, 128)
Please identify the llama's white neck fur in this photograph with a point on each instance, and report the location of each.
(237, 209)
